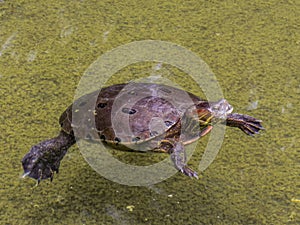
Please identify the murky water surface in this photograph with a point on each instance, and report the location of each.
(251, 46)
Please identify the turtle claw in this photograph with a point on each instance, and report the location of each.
(52, 175)
(189, 172)
(39, 178)
(25, 174)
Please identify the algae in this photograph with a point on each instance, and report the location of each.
(252, 48)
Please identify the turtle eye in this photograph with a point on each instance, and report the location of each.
(229, 108)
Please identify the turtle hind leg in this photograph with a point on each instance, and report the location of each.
(178, 156)
(43, 159)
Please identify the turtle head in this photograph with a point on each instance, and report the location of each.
(209, 113)
(220, 109)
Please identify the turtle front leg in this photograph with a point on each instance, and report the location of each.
(178, 156)
(247, 124)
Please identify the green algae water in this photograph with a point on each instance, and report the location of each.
(252, 48)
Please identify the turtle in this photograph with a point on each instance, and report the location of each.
(137, 116)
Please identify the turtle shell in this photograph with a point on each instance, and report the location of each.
(134, 115)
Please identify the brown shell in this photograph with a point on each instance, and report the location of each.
(128, 115)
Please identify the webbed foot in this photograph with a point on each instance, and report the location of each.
(43, 159)
(38, 165)
(247, 124)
